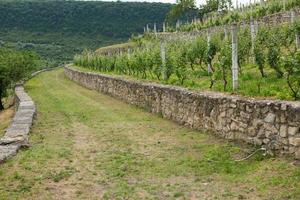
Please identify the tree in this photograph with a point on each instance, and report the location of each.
(221, 6)
(291, 64)
(260, 59)
(182, 7)
(14, 66)
(225, 61)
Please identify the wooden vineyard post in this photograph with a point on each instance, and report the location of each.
(163, 60)
(235, 68)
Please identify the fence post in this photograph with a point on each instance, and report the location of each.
(163, 59)
(128, 53)
(235, 68)
(296, 34)
(253, 33)
(209, 67)
(225, 33)
(177, 25)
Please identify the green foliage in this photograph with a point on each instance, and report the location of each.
(112, 19)
(260, 58)
(187, 61)
(57, 30)
(216, 12)
(244, 46)
(225, 62)
(183, 7)
(14, 66)
(291, 64)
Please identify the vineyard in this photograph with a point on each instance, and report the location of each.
(267, 57)
(241, 13)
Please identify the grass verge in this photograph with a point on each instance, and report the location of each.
(90, 146)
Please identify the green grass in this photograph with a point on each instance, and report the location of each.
(90, 146)
(251, 83)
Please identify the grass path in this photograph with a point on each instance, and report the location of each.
(90, 146)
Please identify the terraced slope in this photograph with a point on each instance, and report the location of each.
(90, 146)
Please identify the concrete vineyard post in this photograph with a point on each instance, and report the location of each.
(209, 68)
(235, 69)
(164, 27)
(296, 34)
(177, 25)
(163, 60)
(147, 28)
(253, 32)
(128, 53)
(155, 30)
(225, 33)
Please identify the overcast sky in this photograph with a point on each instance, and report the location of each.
(174, 1)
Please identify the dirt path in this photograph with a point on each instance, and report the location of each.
(90, 146)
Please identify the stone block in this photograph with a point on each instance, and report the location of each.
(270, 118)
(283, 131)
(257, 141)
(249, 109)
(13, 132)
(6, 151)
(22, 120)
(283, 107)
(294, 141)
(245, 115)
(297, 154)
(293, 130)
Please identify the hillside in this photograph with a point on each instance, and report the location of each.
(58, 29)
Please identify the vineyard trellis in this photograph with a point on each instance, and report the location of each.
(265, 48)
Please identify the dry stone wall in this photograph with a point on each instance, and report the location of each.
(17, 134)
(269, 123)
(269, 20)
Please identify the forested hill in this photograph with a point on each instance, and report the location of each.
(117, 19)
(76, 24)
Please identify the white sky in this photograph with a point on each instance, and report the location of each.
(174, 1)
